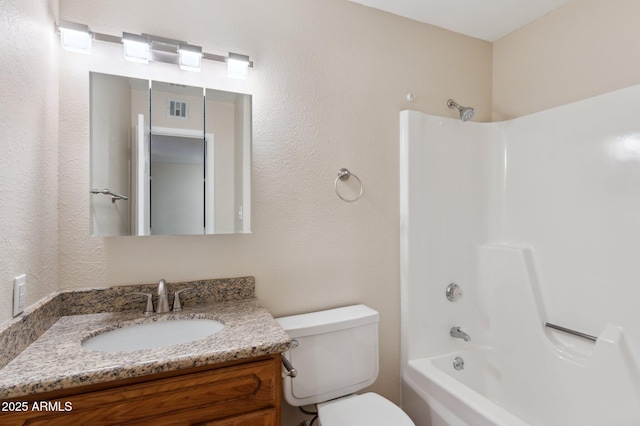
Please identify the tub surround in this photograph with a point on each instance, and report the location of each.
(538, 224)
(53, 331)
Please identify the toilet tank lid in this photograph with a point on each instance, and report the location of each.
(328, 320)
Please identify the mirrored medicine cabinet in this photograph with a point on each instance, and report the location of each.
(168, 159)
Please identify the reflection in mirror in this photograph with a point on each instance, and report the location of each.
(181, 154)
(178, 148)
(228, 128)
(119, 113)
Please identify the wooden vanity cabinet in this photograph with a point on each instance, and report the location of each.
(259, 418)
(246, 393)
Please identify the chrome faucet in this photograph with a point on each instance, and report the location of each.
(458, 333)
(163, 298)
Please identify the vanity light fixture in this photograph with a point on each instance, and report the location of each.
(136, 48)
(238, 66)
(190, 57)
(145, 48)
(75, 37)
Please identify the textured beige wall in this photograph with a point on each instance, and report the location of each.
(28, 149)
(329, 81)
(583, 49)
(330, 78)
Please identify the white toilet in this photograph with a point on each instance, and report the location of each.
(335, 354)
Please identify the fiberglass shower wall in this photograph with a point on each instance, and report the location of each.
(450, 182)
(563, 182)
(573, 194)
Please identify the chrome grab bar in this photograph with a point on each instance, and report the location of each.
(568, 330)
(114, 196)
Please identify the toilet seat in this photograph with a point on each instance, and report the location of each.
(369, 409)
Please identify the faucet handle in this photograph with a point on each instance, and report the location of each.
(148, 310)
(177, 306)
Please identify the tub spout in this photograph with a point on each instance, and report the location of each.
(459, 334)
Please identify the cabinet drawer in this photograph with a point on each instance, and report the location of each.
(260, 418)
(185, 399)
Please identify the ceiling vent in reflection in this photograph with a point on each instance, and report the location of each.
(177, 109)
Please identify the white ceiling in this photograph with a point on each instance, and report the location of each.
(484, 19)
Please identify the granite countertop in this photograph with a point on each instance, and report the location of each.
(56, 359)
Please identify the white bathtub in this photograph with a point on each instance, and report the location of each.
(435, 394)
(491, 392)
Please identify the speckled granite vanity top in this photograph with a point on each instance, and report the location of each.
(57, 360)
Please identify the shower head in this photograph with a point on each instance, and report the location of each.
(465, 112)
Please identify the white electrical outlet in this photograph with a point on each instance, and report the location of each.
(19, 293)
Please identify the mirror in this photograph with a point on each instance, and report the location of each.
(168, 159)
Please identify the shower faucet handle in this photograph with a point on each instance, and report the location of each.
(454, 292)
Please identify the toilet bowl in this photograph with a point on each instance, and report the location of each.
(335, 355)
(368, 409)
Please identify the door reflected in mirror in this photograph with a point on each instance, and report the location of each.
(181, 155)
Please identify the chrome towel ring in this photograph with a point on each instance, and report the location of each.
(344, 175)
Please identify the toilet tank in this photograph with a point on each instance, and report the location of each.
(335, 353)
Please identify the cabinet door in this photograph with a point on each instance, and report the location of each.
(181, 400)
(259, 418)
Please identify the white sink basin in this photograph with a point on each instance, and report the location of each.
(153, 335)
